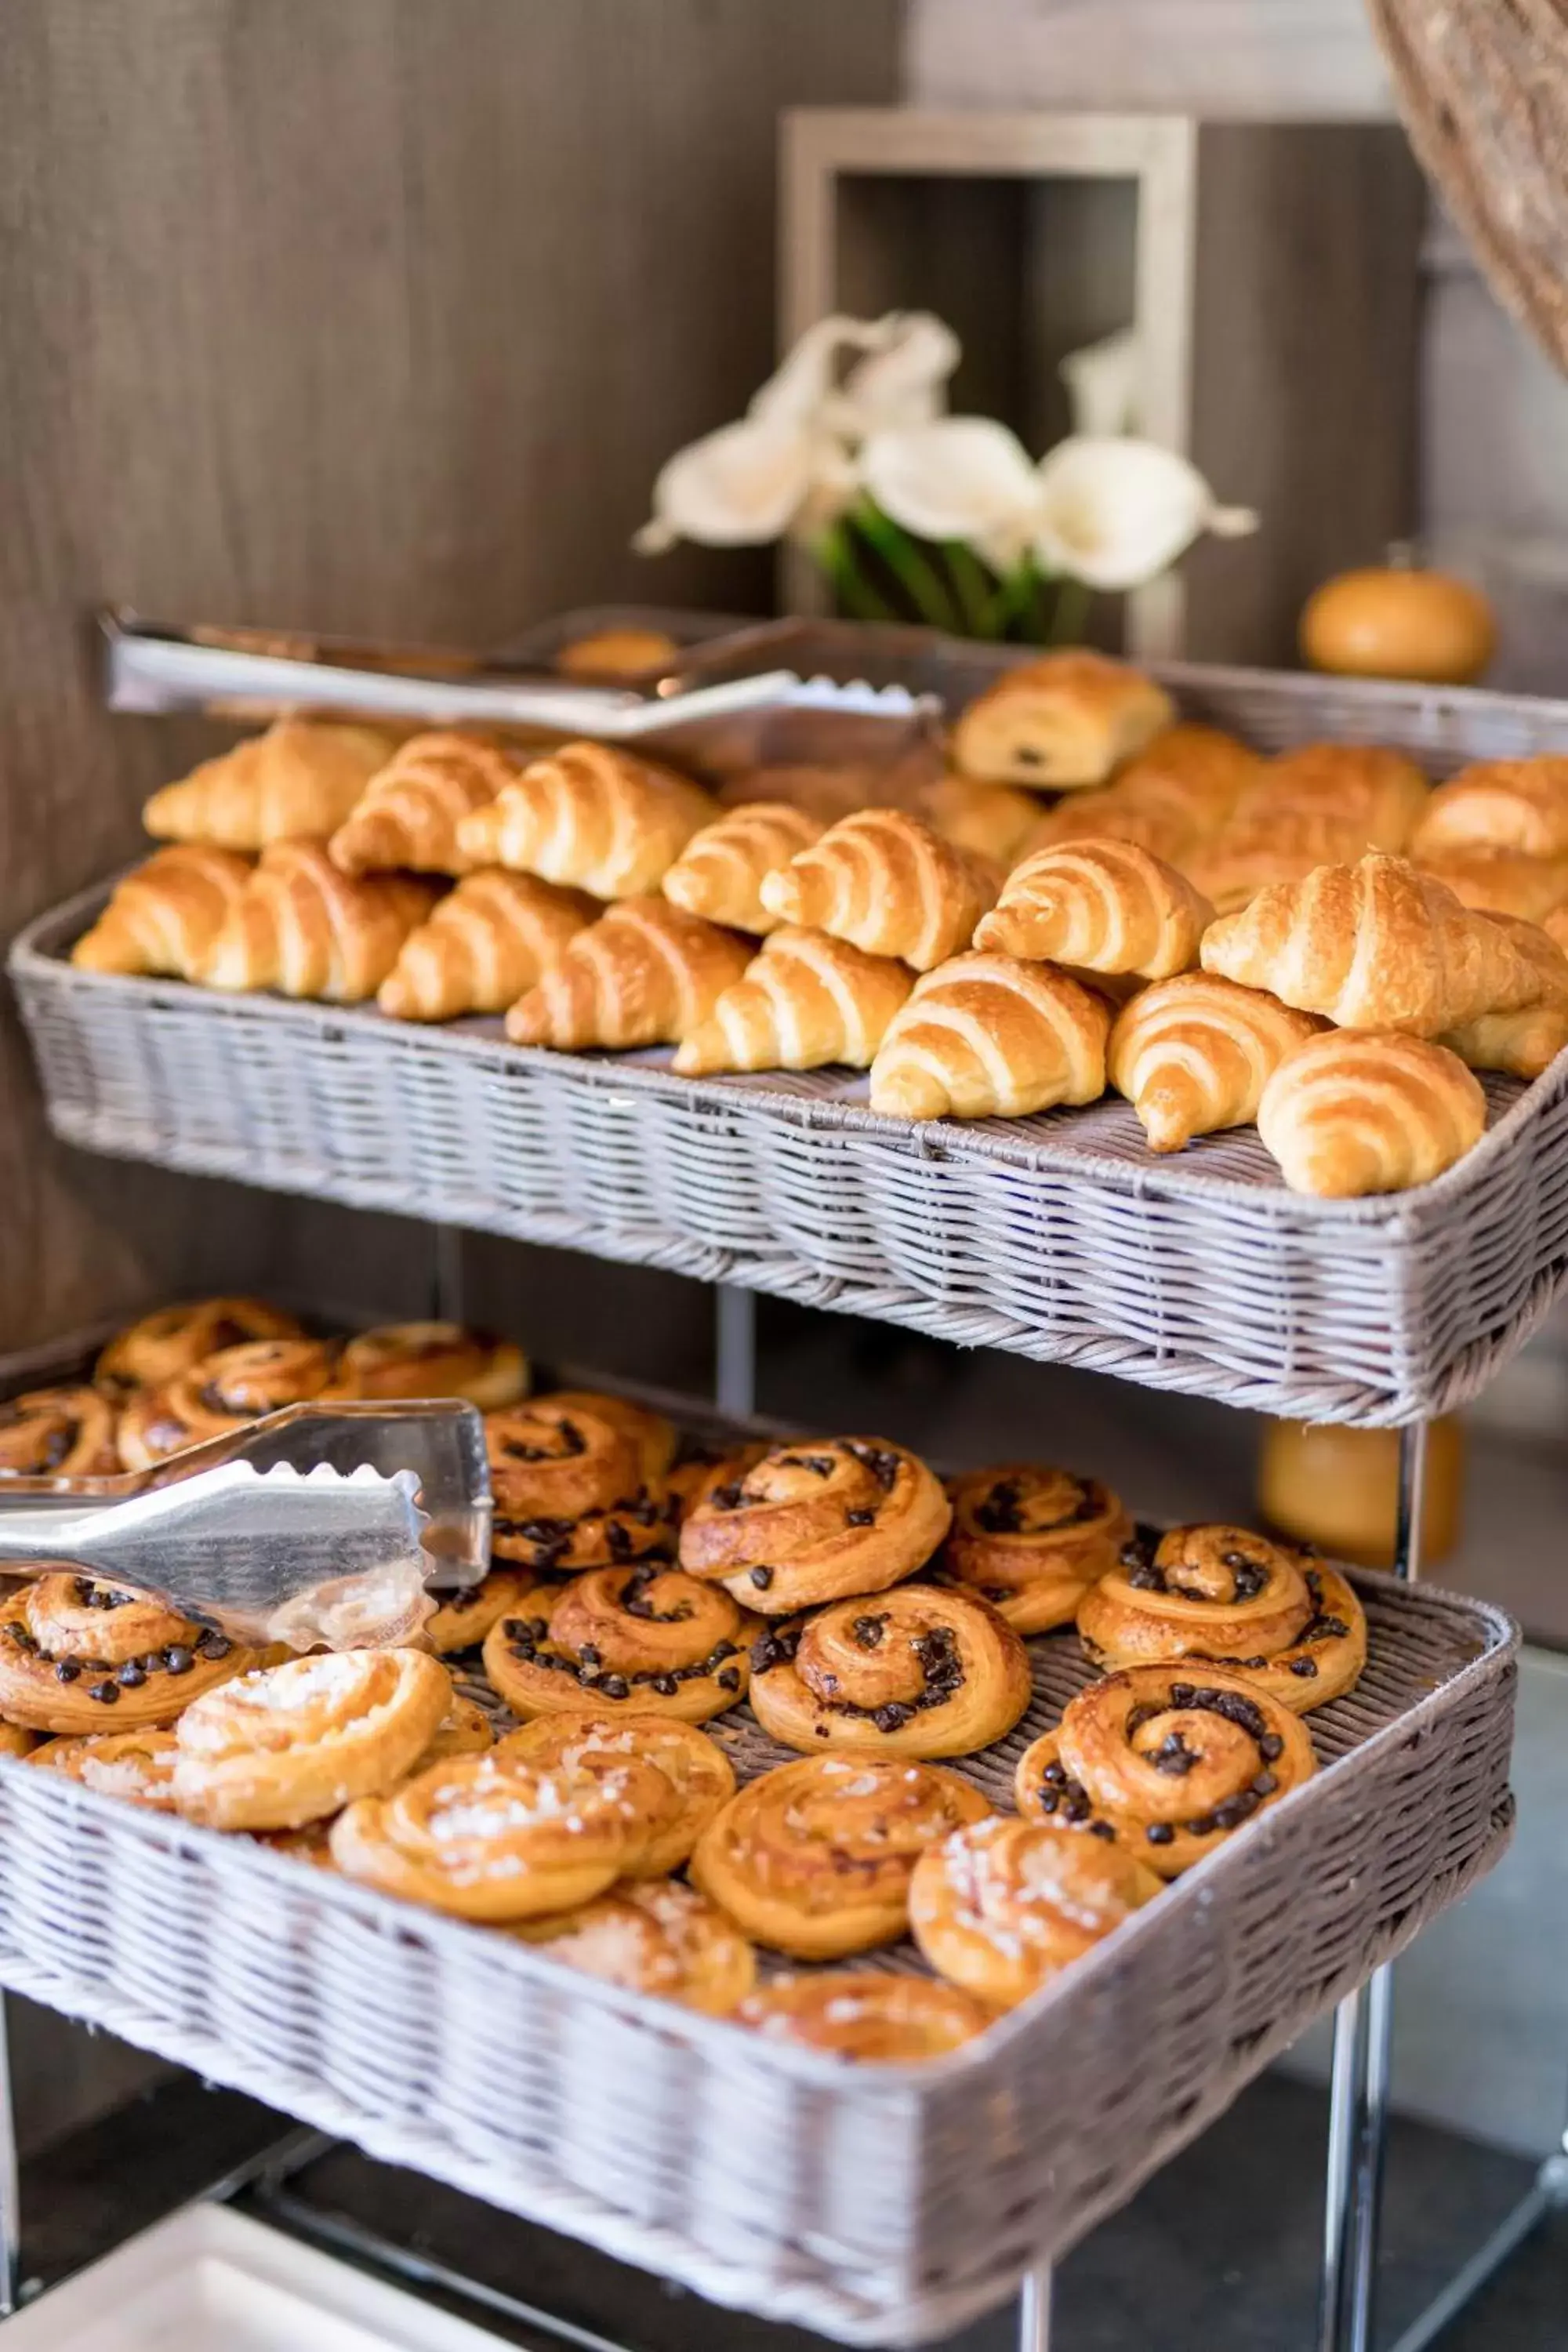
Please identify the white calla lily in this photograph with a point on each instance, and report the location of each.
(1102, 381)
(902, 380)
(959, 478)
(1115, 512)
(800, 387)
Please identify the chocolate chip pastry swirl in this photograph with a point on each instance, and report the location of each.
(813, 1521)
(571, 1485)
(1222, 1596)
(1000, 1908)
(138, 1765)
(875, 2019)
(79, 1656)
(697, 1770)
(815, 1858)
(64, 1433)
(172, 1339)
(655, 1936)
(223, 1392)
(922, 1671)
(1032, 1541)
(434, 1359)
(1173, 1758)
(463, 1618)
(646, 1635)
(484, 1837)
(291, 1744)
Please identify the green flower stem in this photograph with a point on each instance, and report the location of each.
(1012, 599)
(973, 584)
(1067, 621)
(914, 571)
(834, 549)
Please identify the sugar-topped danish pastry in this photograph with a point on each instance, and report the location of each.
(592, 817)
(570, 1477)
(494, 1838)
(1001, 1909)
(291, 1744)
(813, 1521)
(860, 2014)
(1194, 1054)
(646, 1637)
(227, 1391)
(172, 1339)
(409, 812)
(138, 1765)
(644, 974)
(1099, 905)
(992, 1036)
(464, 1730)
(654, 1936)
(64, 1433)
(82, 1657)
(1032, 1541)
(1176, 1758)
(815, 1859)
(889, 884)
(923, 1670)
(164, 916)
(483, 946)
(1065, 720)
(434, 1359)
(463, 1618)
(695, 1767)
(719, 872)
(806, 1000)
(16, 1739)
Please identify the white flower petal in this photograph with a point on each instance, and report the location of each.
(737, 487)
(801, 385)
(1115, 513)
(1101, 383)
(901, 383)
(960, 477)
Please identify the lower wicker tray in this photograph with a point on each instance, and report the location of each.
(873, 2204)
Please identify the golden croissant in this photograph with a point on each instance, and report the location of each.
(1192, 1054)
(888, 884)
(719, 872)
(1171, 796)
(1068, 718)
(988, 820)
(1322, 804)
(165, 917)
(411, 810)
(1513, 805)
(644, 974)
(989, 1036)
(1102, 905)
(805, 999)
(303, 776)
(304, 928)
(592, 818)
(1378, 945)
(1523, 1043)
(485, 943)
(1369, 1111)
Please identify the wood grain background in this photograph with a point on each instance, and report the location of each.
(354, 315)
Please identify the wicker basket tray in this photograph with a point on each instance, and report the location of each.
(873, 2204)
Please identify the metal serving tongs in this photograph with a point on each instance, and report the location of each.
(314, 1525)
(774, 718)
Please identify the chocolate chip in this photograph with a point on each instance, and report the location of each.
(614, 1686)
(1265, 1784)
(590, 1655)
(727, 1498)
(664, 1684)
(999, 1513)
(214, 1646)
(1056, 1772)
(891, 1718)
(866, 1631)
(67, 1670)
(729, 1679)
(861, 1518)
(105, 1693)
(1160, 1834)
(1306, 1669)
(130, 1676)
(762, 1578)
(821, 1466)
(178, 1659)
(1271, 1748)
(1102, 1829)
(882, 1463)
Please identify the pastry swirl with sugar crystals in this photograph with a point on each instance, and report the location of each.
(992, 1036)
(569, 1476)
(1371, 1111)
(695, 1767)
(172, 1339)
(889, 884)
(1099, 905)
(410, 812)
(75, 1656)
(815, 1859)
(653, 1936)
(806, 1000)
(62, 1432)
(1001, 1909)
(1194, 1054)
(227, 1391)
(136, 1766)
(812, 1521)
(647, 1637)
(163, 918)
(923, 1670)
(592, 817)
(1032, 1541)
(860, 2014)
(719, 874)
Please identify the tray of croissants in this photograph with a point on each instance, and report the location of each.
(786, 1729)
(1079, 896)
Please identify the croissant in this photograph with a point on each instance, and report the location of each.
(988, 820)
(719, 872)
(1373, 946)
(1068, 718)
(1322, 804)
(806, 999)
(490, 939)
(644, 974)
(1102, 905)
(302, 927)
(1501, 881)
(410, 812)
(1516, 804)
(988, 1036)
(591, 817)
(886, 883)
(1368, 1112)
(163, 918)
(1194, 1054)
(1524, 1042)
(1166, 799)
(303, 776)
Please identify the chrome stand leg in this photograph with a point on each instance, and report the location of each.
(1034, 2311)
(734, 1351)
(1339, 2197)
(10, 2182)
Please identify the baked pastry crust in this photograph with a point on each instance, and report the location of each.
(16, 1740)
(591, 816)
(815, 1859)
(172, 1339)
(889, 884)
(1500, 881)
(484, 945)
(163, 917)
(464, 1730)
(655, 1437)
(293, 1743)
(697, 1769)
(806, 1000)
(1194, 1054)
(409, 812)
(494, 1838)
(1032, 1541)
(463, 1618)
(647, 1638)
(1223, 1596)
(75, 1656)
(992, 1036)
(625, 652)
(1371, 1112)
(1099, 905)
(923, 1670)
(1527, 1041)
(399, 1360)
(1499, 804)
(1001, 1909)
(302, 776)
(304, 929)
(224, 1391)
(644, 974)
(61, 1433)
(1321, 804)
(859, 2014)
(570, 1477)
(693, 1466)
(813, 1521)
(990, 821)
(138, 1765)
(654, 1936)
(1064, 721)
(719, 872)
